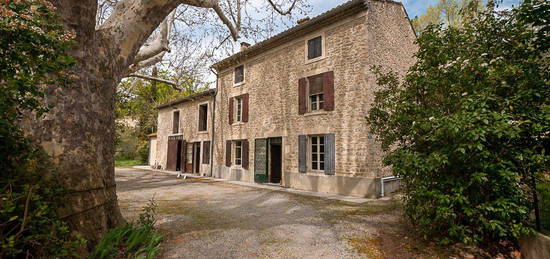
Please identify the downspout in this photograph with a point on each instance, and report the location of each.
(213, 125)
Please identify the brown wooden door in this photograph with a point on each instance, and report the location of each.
(171, 155)
(196, 157)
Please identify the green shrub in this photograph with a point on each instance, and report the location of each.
(32, 57)
(467, 128)
(133, 240)
(544, 205)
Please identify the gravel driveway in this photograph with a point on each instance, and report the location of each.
(202, 218)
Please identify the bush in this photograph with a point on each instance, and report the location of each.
(32, 48)
(467, 129)
(134, 240)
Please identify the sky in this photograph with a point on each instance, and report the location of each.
(413, 7)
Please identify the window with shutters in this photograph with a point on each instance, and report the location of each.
(238, 152)
(238, 109)
(316, 92)
(203, 117)
(315, 47)
(317, 152)
(176, 122)
(239, 75)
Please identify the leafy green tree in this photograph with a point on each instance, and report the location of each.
(448, 12)
(468, 127)
(32, 58)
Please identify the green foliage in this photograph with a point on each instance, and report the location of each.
(134, 240)
(543, 189)
(127, 162)
(467, 128)
(32, 48)
(448, 12)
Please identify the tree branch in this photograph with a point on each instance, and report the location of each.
(159, 44)
(226, 21)
(152, 78)
(278, 9)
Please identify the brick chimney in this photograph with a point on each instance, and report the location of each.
(303, 20)
(244, 45)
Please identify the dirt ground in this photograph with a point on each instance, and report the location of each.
(202, 218)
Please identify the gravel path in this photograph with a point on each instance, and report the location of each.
(208, 219)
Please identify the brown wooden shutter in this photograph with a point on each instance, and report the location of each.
(206, 152)
(245, 154)
(316, 84)
(329, 90)
(245, 107)
(228, 153)
(183, 155)
(302, 153)
(302, 85)
(230, 111)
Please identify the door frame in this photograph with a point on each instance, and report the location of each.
(196, 158)
(269, 142)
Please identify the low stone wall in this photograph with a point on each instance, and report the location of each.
(341, 185)
(535, 247)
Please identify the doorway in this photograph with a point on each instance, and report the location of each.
(175, 159)
(196, 157)
(275, 161)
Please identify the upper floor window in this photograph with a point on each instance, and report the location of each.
(316, 93)
(239, 74)
(314, 47)
(203, 117)
(176, 122)
(239, 109)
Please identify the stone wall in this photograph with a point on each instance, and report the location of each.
(189, 129)
(381, 35)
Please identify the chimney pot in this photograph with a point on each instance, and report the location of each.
(303, 20)
(244, 45)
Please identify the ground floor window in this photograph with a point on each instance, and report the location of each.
(238, 152)
(317, 152)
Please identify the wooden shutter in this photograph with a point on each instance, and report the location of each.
(328, 90)
(245, 154)
(260, 160)
(183, 155)
(302, 153)
(230, 111)
(302, 104)
(330, 154)
(228, 153)
(206, 152)
(316, 84)
(245, 108)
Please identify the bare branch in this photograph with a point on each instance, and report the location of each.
(278, 9)
(146, 63)
(227, 22)
(152, 78)
(159, 44)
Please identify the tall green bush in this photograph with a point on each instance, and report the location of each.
(468, 127)
(32, 47)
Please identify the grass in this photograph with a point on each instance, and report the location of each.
(127, 162)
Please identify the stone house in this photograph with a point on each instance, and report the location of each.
(291, 109)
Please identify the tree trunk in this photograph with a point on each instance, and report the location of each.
(78, 132)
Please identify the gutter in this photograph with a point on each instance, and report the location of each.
(213, 125)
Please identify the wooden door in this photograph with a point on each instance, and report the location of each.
(260, 160)
(171, 155)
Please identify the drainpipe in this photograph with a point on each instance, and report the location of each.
(213, 125)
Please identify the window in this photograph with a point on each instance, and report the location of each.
(239, 74)
(318, 152)
(316, 102)
(238, 152)
(315, 90)
(203, 117)
(314, 48)
(176, 122)
(239, 109)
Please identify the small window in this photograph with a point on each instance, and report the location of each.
(176, 122)
(239, 109)
(238, 152)
(239, 74)
(316, 102)
(203, 117)
(314, 48)
(317, 153)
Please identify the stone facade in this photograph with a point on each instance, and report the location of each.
(359, 36)
(188, 109)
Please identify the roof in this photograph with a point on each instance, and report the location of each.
(333, 15)
(209, 92)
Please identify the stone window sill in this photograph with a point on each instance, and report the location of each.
(237, 123)
(315, 113)
(202, 132)
(238, 84)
